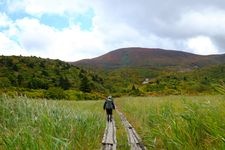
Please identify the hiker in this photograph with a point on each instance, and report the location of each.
(109, 106)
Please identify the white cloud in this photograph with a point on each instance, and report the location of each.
(209, 22)
(33, 35)
(68, 44)
(197, 26)
(10, 47)
(4, 20)
(202, 45)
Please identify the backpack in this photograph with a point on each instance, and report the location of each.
(109, 104)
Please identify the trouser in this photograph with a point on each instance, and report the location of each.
(109, 114)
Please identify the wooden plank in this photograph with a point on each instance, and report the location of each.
(105, 134)
(109, 137)
(114, 136)
(133, 138)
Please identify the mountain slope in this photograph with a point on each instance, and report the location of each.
(38, 74)
(150, 57)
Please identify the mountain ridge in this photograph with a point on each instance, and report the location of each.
(150, 57)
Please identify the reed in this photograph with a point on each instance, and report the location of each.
(177, 122)
(46, 124)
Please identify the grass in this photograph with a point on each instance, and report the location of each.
(170, 122)
(177, 122)
(42, 124)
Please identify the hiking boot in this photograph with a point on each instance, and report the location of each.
(108, 119)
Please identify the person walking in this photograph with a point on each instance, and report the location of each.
(109, 106)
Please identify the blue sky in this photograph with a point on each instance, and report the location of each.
(76, 29)
(83, 20)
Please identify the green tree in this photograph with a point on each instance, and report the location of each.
(36, 83)
(20, 79)
(85, 84)
(135, 91)
(64, 83)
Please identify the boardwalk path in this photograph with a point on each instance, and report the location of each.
(109, 138)
(133, 138)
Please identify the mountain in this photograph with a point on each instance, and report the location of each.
(121, 72)
(150, 57)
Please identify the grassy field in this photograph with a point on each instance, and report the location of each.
(170, 122)
(41, 124)
(177, 122)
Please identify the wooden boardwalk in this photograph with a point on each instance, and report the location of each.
(133, 139)
(109, 138)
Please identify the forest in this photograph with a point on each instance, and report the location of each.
(36, 77)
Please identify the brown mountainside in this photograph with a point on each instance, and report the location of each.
(150, 57)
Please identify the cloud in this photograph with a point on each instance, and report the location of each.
(4, 20)
(40, 7)
(68, 44)
(173, 23)
(209, 22)
(10, 47)
(33, 35)
(194, 26)
(199, 43)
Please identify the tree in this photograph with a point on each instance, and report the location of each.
(85, 84)
(20, 79)
(96, 78)
(37, 83)
(64, 83)
(133, 88)
(135, 91)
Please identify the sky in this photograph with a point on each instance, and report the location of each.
(71, 30)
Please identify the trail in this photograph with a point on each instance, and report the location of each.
(133, 138)
(109, 138)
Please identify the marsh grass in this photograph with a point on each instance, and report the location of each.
(178, 122)
(42, 124)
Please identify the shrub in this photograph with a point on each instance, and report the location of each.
(4, 82)
(55, 93)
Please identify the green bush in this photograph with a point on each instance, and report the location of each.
(77, 95)
(4, 82)
(35, 94)
(55, 93)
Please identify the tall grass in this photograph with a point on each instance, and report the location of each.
(178, 122)
(41, 124)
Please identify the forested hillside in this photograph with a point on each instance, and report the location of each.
(39, 77)
(209, 80)
(152, 71)
(54, 79)
(155, 81)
